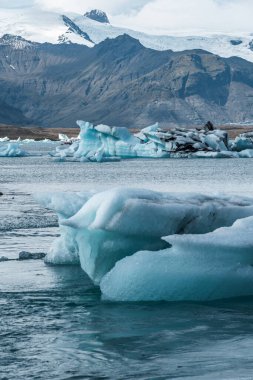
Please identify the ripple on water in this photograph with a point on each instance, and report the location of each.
(53, 322)
(58, 328)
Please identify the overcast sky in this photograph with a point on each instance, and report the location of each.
(157, 15)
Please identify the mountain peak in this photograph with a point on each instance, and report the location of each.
(97, 15)
(122, 45)
(16, 42)
(74, 28)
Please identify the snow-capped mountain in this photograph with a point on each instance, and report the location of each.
(98, 16)
(54, 85)
(93, 27)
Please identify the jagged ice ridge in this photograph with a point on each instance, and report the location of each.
(103, 143)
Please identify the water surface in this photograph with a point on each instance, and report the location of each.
(53, 322)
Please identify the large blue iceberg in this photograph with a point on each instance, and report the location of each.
(103, 143)
(140, 245)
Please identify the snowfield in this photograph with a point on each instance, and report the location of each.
(44, 26)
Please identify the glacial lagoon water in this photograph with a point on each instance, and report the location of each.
(54, 324)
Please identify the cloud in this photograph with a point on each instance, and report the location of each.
(184, 15)
(7, 4)
(158, 16)
(81, 6)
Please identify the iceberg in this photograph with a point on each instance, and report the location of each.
(141, 245)
(243, 142)
(4, 139)
(64, 138)
(212, 266)
(247, 153)
(28, 141)
(64, 250)
(222, 154)
(12, 150)
(103, 143)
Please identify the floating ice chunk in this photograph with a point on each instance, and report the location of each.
(117, 223)
(198, 260)
(222, 154)
(151, 128)
(215, 142)
(27, 141)
(248, 153)
(64, 138)
(102, 143)
(12, 150)
(64, 249)
(197, 267)
(4, 139)
(243, 142)
(64, 204)
(123, 134)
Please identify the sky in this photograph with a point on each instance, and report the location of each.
(156, 16)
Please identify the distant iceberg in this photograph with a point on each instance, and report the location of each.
(12, 150)
(103, 143)
(243, 142)
(140, 245)
(4, 139)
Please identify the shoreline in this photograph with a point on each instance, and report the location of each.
(36, 133)
(41, 133)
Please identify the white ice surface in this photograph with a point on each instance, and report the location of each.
(64, 249)
(12, 150)
(39, 25)
(197, 267)
(102, 143)
(105, 230)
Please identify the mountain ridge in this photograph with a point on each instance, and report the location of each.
(84, 29)
(121, 82)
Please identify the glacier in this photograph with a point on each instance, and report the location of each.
(141, 245)
(40, 26)
(104, 143)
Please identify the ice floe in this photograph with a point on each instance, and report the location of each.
(4, 139)
(143, 245)
(64, 249)
(12, 150)
(197, 267)
(103, 143)
(243, 142)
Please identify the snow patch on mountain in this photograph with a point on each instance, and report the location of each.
(93, 27)
(15, 42)
(222, 45)
(74, 34)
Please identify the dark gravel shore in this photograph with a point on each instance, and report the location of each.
(37, 133)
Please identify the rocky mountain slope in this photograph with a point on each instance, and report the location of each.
(120, 82)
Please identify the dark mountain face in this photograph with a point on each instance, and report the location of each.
(72, 27)
(119, 82)
(98, 16)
